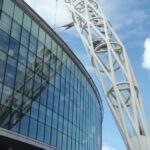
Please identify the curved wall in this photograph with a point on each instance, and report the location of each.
(45, 92)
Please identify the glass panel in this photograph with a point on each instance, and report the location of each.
(49, 117)
(59, 53)
(40, 50)
(60, 123)
(69, 129)
(40, 133)
(64, 58)
(50, 96)
(54, 137)
(73, 144)
(42, 113)
(18, 15)
(25, 38)
(57, 81)
(1, 3)
(53, 62)
(42, 35)
(46, 72)
(37, 85)
(17, 101)
(23, 54)
(55, 120)
(16, 29)
(13, 48)
(54, 47)
(64, 145)
(0, 91)
(69, 144)
(2, 65)
(8, 7)
(68, 63)
(61, 105)
(43, 97)
(33, 127)
(7, 92)
(65, 126)
(62, 86)
(47, 134)
(15, 127)
(35, 110)
(24, 125)
(10, 72)
(5, 23)
(48, 42)
(34, 29)
(33, 44)
(59, 140)
(31, 60)
(63, 71)
(20, 73)
(26, 22)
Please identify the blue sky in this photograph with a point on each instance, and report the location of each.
(131, 21)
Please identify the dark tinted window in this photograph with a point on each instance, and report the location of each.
(4, 40)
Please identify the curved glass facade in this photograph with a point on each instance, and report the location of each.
(44, 93)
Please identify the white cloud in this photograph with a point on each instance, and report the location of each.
(47, 9)
(126, 18)
(107, 148)
(146, 55)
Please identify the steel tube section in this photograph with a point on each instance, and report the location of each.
(113, 69)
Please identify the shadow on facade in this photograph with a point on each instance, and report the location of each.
(10, 144)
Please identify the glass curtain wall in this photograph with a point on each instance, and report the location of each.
(43, 93)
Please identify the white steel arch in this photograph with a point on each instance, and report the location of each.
(114, 72)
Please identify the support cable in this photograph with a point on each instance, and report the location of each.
(54, 26)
